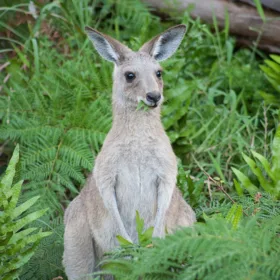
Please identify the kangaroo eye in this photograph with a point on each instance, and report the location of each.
(129, 76)
(158, 73)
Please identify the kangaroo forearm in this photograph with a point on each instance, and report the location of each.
(110, 202)
(165, 192)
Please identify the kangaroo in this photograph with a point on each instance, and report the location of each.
(136, 168)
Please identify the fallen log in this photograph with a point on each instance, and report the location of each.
(271, 4)
(245, 22)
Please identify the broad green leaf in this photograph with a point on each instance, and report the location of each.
(274, 81)
(142, 106)
(265, 164)
(28, 219)
(36, 237)
(146, 236)
(24, 206)
(7, 180)
(22, 234)
(19, 262)
(275, 66)
(275, 58)
(253, 166)
(238, 188)
(123, 242)
(139, 224)
(117, 264)
(245, 181)
(15, 195)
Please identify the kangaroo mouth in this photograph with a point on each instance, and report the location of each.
(151, 104)
(148, 103)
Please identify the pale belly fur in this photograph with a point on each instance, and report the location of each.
(136, 189)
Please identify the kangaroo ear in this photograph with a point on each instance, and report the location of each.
(109, 48)
(165, 44)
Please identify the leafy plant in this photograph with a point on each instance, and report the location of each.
(46, 263)
(144, 236)
(58, 138)
(17, 241)
(271, 182)
(55, 101)
(127, 249)
(272, 73)
(211, 250)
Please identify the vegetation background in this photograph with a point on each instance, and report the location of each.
(221, 114)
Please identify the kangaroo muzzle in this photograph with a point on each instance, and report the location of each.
(153, 98)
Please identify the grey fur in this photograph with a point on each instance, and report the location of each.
(136, 168)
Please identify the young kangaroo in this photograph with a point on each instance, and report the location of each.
(136, 168)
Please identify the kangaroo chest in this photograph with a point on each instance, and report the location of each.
(137, 181)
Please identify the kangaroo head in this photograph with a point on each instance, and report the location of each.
(137, 75)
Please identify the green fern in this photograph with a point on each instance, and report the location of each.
(209, 251)
(60, 127)
(17, 241)
(46, 263)
(272, 72)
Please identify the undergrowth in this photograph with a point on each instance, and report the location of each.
(220, 104)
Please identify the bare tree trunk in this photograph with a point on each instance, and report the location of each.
(245, 22)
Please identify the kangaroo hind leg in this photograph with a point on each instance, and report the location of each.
(78, 257)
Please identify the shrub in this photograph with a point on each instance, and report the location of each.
(17, 241)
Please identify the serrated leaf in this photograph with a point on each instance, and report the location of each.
(231, 213)
(237, 216)
(22, 234)
(15, 195)
(24, 206)
(7, 180)
(37, 237)
(28, 219)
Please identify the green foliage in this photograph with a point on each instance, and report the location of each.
(60, 126)
(46, 263)
(17, 241)
(271, 182)
(272, 72)
(144, 236)
(211, 250)
(55, 100)
(189, 189)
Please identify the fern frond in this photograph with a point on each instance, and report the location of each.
(210, 251)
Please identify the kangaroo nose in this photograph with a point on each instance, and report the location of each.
(153, 96)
